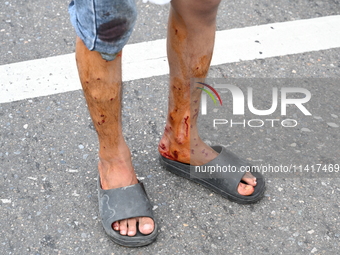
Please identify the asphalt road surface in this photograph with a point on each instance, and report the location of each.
(48, 146)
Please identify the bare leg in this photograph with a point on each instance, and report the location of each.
(191, 34)
(101, 81)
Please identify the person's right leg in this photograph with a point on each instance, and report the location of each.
(105, 26)
(101, 81)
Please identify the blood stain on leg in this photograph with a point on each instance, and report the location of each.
(167, 155)
(202, 67)
(187, 126)
(162, 146)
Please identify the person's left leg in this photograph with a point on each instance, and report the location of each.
(191, 34)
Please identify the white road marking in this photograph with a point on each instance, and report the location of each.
(42, 77)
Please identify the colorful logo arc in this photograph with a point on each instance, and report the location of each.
(209, 93)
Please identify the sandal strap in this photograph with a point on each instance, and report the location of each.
(226, 160)
(123, 203)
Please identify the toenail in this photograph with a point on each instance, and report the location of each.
(123, 232)
(131, 233)
(147, 227)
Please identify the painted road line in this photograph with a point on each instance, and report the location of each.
(58, 74)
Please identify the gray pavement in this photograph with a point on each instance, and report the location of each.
(48, 149)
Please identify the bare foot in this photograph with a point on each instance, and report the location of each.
(117, 173)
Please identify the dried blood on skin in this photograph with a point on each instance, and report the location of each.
(167, 155)
(204, 63)
(175, 154)
(187, 125)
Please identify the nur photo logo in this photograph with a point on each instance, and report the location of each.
(209, 93)
(280, 98)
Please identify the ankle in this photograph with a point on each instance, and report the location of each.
(117, 153)
(116, 173)
(174, 146)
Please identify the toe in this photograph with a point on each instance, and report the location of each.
(146, 225)
(115, 225)
(123, 226)
(249, 179)
(132, 227)
(245, 190)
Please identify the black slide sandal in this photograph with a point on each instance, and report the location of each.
(124, 203)
(223, 183)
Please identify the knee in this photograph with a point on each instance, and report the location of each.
(204, 10)
(113, 30)
(206, 7)
(208, 4)
(116, 29)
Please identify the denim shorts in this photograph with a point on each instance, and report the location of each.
(104, 25)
